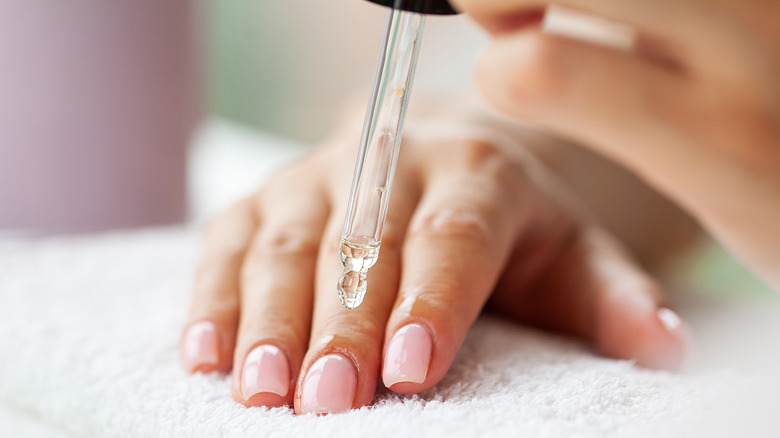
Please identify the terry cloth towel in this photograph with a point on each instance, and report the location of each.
(89, 328)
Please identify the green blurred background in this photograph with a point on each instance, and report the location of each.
(286, 67)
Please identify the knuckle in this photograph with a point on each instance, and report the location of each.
(491, 169)
(291, 241)
(227, 236)
(453, 223)
(482, 155)
(392, 237)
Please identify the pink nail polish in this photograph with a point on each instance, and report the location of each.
(201, 347)
(266, 369)
(669, 319)
(329, 386)
(407, 356)
(677, 358)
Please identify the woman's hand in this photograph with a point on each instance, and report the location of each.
(470, 220)
(693, 107)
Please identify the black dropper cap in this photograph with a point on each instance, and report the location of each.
(439, 7)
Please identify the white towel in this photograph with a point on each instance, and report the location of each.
(89, 328)
(89, 331)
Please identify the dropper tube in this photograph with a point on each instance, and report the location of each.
(378, 154)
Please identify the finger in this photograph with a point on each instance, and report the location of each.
(498, 16)
(593, 290)
(277, 286)
(616, 103)
(457, 244)
(209, 338)
(341, 367)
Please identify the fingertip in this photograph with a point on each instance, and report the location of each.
(407, 358)
(424, 334)
(665, 344)
(328, 387)
(676, 354)
(658, 340)
(201, 348)
(265, 377)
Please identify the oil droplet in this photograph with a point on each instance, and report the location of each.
(352, 288)
(357, 256)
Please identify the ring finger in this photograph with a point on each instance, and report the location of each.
(277, 284)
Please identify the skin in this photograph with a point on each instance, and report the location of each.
(475, 219)
(698, 100)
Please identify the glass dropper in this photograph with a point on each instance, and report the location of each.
(378, 154)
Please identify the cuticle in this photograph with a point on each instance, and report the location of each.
(337, 350)
(418, 321)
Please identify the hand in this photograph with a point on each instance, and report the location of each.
(693, 108)
(468, 218)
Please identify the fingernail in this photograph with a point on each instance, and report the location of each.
(201, 350)
(407, 355)
(669, 319)
(681, 357)
(588, 28)
(265, 370)
(329, 386)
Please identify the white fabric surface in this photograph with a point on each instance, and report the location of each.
(89, 328)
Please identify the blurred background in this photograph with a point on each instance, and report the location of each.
(102, 102)
(287, 67)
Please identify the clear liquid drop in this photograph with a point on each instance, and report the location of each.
(357, 259)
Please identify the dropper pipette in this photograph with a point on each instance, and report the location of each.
(380, 143)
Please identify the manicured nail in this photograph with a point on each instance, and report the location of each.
(680, 357)
(669, 319)
(407, 355)
(329, 386)
(201, 347)
(265, 370)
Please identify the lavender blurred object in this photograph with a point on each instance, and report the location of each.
(98, 100)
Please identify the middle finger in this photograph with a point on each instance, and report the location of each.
(341, 368)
